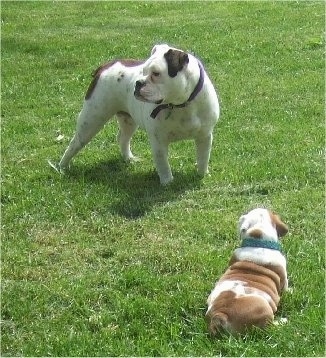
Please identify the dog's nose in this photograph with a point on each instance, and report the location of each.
(138, 85)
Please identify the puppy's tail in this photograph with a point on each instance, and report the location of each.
(218, 323)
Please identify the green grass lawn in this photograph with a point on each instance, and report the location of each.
(106, 262)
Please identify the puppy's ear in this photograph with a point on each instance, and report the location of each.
(153, 50)
(176, 61)
(281, 228)
(243, 226)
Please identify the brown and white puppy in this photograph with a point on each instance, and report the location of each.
(169, 95)
(249, 291)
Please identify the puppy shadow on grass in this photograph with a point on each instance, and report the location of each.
(136, 192)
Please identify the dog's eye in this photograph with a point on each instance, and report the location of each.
(156, 74)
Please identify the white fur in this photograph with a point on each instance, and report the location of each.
(110, 96)
(260, 256)
(229, 285)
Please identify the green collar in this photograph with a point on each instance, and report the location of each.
(250, 242)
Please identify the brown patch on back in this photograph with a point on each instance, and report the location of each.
(176, 60)
(281, 228)
(237, 314)
(97, 73)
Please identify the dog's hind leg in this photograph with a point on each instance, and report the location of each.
(90, 121)
(203, 149)
(127, 128)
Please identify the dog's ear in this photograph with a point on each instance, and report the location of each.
(153, 50)
(281, 228)
(176, 61)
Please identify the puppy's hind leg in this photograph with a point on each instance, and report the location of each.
(127, 128)
(90, 121)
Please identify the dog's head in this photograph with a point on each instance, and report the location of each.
(262, 223)
(165, 77)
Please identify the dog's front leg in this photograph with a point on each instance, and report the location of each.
(160, 155)
(203, 149)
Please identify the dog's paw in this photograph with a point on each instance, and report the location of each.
(202, 172)
(133, 159)
(166, 181)
(55, 167)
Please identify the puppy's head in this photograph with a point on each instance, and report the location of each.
(164, 78)
(262, 223)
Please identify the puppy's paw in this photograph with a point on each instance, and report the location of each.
(280, 322)
(289, 290)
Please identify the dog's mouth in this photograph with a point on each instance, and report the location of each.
(138, 93)
(141, 98)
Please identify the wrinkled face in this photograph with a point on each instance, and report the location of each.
(163, 79)
(262, 223)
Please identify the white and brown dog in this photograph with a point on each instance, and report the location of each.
(249, 291)
(169, 95)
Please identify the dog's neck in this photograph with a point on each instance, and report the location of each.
(192, 96)
(266, 244)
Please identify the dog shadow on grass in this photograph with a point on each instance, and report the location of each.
(135, 192)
